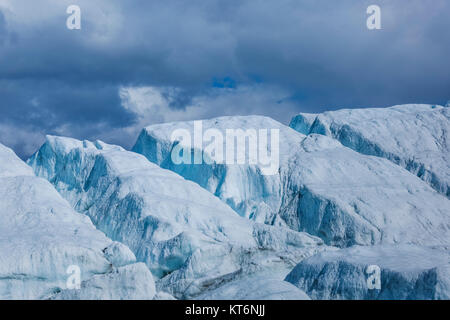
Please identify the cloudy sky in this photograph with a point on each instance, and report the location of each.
(138, 62)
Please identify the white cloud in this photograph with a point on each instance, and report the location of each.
(20, 139)
(154, 105)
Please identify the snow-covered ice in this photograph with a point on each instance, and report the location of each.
(256, 288)
(228, 231)
(416, 137)
(114, 285)
(407, 272)
(161, 295)
(322, 187)
(41, 236)
(190, 240)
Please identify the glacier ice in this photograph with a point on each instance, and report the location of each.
(161, 295)
(407, 272)
(41, 236)
(216, 231)
(256, 288)
(189, 239)
(322, 187)
(416, 137)
(114, 285)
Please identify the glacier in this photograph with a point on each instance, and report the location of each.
(353, 189)
(41, 236)
(408, 272)
(416, 136)
(190, 240)
(322, 187)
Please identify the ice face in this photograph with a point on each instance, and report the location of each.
(416, 137)
(190, 240)
(322, 187)
(404, 271)
(243, 187)
(41, 236)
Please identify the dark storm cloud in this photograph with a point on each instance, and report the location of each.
(319, 54)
